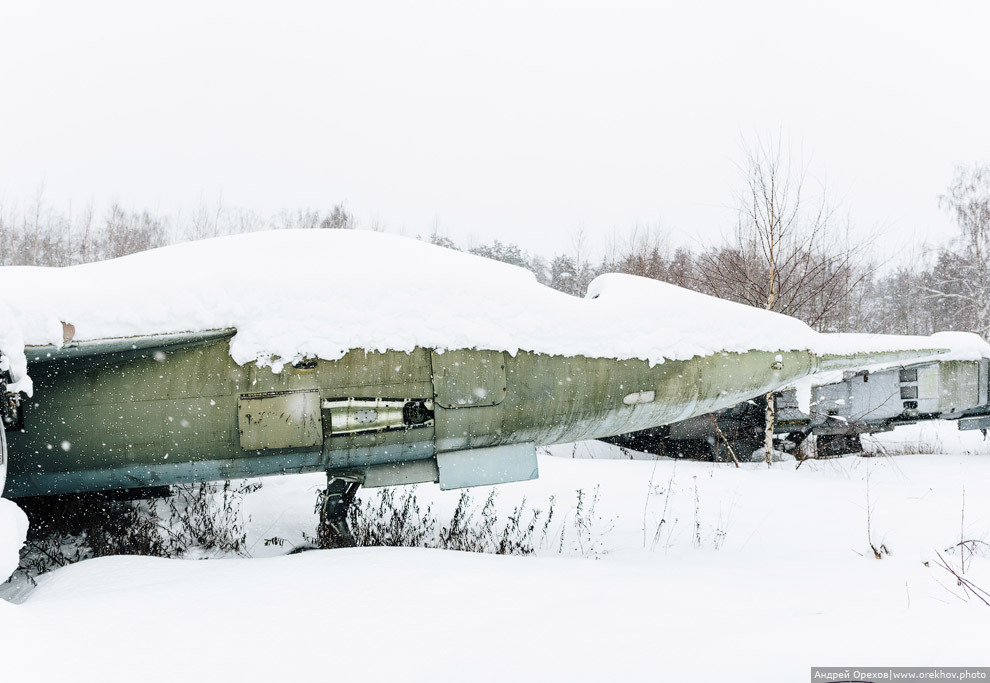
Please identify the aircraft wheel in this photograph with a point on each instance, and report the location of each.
(694, 449)
(832, 445)
(743, 449)
(720, 452)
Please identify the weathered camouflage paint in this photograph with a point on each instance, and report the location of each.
(149, 417)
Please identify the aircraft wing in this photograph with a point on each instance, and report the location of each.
(116, 345)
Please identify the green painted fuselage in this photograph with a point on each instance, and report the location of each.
(152, 417)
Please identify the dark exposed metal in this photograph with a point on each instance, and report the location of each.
(334, 531)
(11, 410)
(860, 403)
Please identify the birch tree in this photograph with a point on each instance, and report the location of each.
(964, 288)
(784, 256)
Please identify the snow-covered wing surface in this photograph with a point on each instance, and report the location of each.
(291, 294)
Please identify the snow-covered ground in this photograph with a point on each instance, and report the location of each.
(13, 528)
(684, 571)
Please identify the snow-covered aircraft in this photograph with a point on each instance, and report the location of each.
(841, 410)
(377, 359)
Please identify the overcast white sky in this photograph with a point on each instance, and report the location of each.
(519, 121)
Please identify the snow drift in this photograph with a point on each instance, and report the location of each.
(13, 531)
(779, 557)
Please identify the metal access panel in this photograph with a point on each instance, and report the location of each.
(981, 422)
(279, 419)
(984, 388)
(400, 473)
(465, 378)
(929, 382)
(959, 384)
(863, 397)
(487, 466)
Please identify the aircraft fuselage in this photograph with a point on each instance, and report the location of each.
(153, 417)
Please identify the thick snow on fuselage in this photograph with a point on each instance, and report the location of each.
(318, 293)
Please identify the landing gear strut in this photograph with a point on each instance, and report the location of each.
(333, 531)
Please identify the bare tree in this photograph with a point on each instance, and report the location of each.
(579, 243)
(36, 224)
(960, 280)
(784, 255)
(128, 232)
(338, 219)
(82, 250)
(206, 221)
(646, 254)
(300, 219)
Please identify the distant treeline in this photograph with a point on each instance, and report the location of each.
(781, 256)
